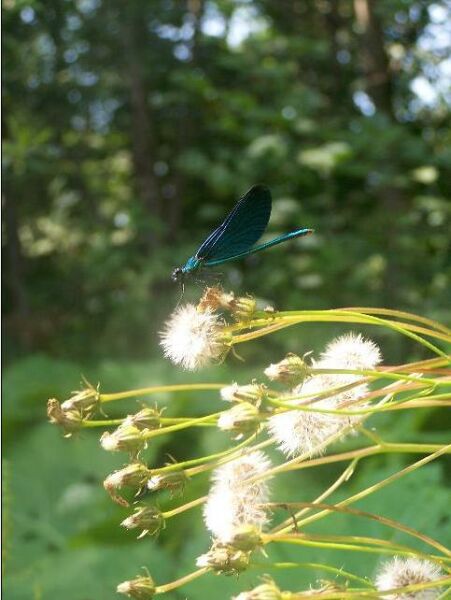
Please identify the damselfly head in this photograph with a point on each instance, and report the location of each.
(177, 274)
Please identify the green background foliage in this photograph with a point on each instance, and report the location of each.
(130, 128)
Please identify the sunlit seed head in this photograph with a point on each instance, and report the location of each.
(401, 572)
(351, 351)
(192, 338)
(298, 432)
(233, 500)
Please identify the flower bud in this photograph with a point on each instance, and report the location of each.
(147, 418)
(224, 559)
(148, 518)
(174, 481)
(266, 591)
(292, 370)
(126, 438)
(253, 393)
(134, 475)
(141, 588)
(241, 419)
(215, 298)
(244, 308)
(69, 420)
(85, 401)
(246, 538)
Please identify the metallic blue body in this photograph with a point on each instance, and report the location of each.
(236, 236)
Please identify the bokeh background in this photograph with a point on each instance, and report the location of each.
(129, 130)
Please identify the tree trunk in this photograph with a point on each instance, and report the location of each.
(374, 59)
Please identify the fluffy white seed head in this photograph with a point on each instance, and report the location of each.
(299, 432)
(351, 351)
(401, 572)
(192, 338)
(232, 501)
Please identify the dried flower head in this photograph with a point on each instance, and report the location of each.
(134, 475)
(192, 338)
(126, 438)
(253, 393)
(85, 401)
(215, 298)
(140, 588)
(292, 370)
(148, 518)
(241, 419)
(224, 559)
(146, 418)
(68, 420)
(402, 572)
(174, 481)
(244, 308)
(233, 501)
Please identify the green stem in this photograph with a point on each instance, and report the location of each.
(160, 389)
(162, 589)
(311, 565)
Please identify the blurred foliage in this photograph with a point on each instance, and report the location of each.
(129, 130)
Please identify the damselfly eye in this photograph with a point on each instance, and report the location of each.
(176, 274)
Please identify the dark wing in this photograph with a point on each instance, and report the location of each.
(243, 226)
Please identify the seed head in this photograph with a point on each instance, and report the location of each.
(233, 501)
(401, 572)
(192, 338)
(351, 351)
